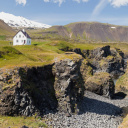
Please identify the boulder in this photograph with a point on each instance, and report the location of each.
(102, 84)
(122, 83)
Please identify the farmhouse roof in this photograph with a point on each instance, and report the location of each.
(25, 33)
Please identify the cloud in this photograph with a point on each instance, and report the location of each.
(21, 2)
(61, 1)
(55, 1)
(99, 7)
(81, 0)
(103, 3)
(118, 3)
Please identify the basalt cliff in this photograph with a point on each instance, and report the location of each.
(60, 86)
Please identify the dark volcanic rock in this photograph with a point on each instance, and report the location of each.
(105, 60)
(69, 85)
(25, 91)
(98, 53)
(78, 51)
(102, 84)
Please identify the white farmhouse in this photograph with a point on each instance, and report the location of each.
(21, 38)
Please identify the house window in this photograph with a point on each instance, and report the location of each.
(19, 36)
(17, 41)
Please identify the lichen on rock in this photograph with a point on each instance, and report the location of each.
(101, 83)
(26, 91)
(104, 59)
(69, 85)
(122, 83)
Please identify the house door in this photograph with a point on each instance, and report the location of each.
(24, 41)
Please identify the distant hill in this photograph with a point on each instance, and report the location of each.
(88, 31)
(5, 29)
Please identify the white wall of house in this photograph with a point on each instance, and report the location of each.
(21, 39)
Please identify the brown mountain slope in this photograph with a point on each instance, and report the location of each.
(5, 29)
(88, 31)
(99, 31)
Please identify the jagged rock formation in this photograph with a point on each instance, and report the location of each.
(59, 86)
(105, 60)
(25, 91)
(100, 67)
(69, 85)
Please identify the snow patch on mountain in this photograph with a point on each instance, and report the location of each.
(18, 21)
(113, 27)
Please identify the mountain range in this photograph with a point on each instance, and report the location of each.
(18, 21)
(79, 31)
(92, 31)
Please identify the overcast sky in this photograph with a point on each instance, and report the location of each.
(61, 12)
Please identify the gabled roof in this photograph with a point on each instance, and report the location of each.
(25, 33)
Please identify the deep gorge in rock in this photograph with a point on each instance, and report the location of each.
(60, 86)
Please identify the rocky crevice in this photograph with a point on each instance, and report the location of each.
(60, 86)
(26, 91)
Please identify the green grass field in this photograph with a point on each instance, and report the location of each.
(44, 52)
(37, 54)
(17, 122)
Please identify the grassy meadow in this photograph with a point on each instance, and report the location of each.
(44, 52)
(17, 122)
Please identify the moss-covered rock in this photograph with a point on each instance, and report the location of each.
(86, 70)
(124, 124)
(104, 59)
(102, 84)
(122, 83)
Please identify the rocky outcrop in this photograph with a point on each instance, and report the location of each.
(69, 85)
(60, 86)
(105, 60)
(101, 84)
(78, 51)
(98, 53)
(26, 91)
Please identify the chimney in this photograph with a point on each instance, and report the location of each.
(23, 30)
